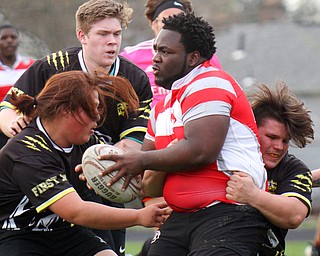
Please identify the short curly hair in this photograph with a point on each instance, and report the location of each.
(196, 34)
(285, 107)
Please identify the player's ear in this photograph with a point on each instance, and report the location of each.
(81, 36)
(153, 25)
(193, 58)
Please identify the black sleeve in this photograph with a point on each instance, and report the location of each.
(135, 126)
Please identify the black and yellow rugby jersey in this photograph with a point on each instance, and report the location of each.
(33, 175)
(292, 178)
(116, 125)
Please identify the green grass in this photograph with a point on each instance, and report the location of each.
(133, 247)
(294, 248)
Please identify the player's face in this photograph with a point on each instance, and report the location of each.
(102, 44)
(274, 141)
(81, 126)
(170, 59)
(9, 42)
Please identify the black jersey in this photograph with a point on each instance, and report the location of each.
(292, 178)
(116, 125)
(33, 176)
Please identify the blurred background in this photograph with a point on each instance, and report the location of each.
(50, 24)
(258, 41)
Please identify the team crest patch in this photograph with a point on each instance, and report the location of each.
(122, 108)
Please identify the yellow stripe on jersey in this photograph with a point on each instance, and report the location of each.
(59, 57)
(67, 58)
(54, 199)
(54, 60)
(6, 104)
(33, 143)
(301, 197)
(134, 129)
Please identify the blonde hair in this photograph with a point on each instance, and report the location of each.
(96, 10)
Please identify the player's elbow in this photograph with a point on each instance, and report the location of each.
(293, 221)
(74, 217)
(296, 221)
(203, 158)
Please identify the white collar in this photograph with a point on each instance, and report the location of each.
(114, 68)
(57, 147)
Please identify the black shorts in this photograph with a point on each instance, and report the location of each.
(222, 229)
(65, 242)
(115, 238)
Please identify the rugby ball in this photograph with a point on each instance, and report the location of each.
(91, 167)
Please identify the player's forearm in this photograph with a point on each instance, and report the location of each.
(126, 144)
(106, 217)
(181, 156)
(282, 211)
(74, 210)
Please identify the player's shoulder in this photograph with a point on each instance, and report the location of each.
(292, 160)
(62, 59)
(31, 141)
(291, 165)
(70, 51)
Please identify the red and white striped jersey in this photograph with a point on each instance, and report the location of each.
(206, 91)
(8, 75)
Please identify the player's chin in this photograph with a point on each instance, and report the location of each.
(271, 164)
(109, 61)
(82, 140)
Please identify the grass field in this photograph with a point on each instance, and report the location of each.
(133, 247)
(294, 248)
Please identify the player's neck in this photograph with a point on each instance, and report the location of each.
(91, 65)
(8, 60)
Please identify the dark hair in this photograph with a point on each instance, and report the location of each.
(5, 26)
(283, 106)
(196, 34)
(71, 90)
(152, 5)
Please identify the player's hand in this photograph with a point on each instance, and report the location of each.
(78, 169)
(127, 165)
(154, 215)
(241, 187)
(18, 125)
